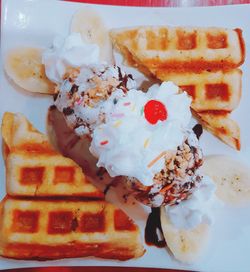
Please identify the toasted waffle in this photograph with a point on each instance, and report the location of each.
(34, 168)
(221, 125)
(181, 48)
(220, 90)
(64, 229)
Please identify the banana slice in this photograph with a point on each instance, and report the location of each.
(24, 66)
(92, 28)
(185, 245)
(231, 177)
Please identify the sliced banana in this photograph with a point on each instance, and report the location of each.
(186, 245)
(92, 28)
(231, 177)
(24, 66)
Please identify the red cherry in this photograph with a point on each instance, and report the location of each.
(154, 111)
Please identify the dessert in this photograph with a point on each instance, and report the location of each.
(35, 168)
(90, 95)
(201, 61)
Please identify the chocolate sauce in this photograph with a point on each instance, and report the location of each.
(198, 130)
(68, 111)
(153, 224)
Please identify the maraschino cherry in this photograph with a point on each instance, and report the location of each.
(155, 111)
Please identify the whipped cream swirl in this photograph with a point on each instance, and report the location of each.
(69, 52)
(127, 144)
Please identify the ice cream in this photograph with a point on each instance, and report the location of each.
(83, 82)
(143, 136)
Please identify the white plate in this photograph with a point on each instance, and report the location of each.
(35, 23)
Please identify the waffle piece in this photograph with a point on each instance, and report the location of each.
(221, 125)
(181, 48)
(64, 229)
(220, 90)
(34, 168)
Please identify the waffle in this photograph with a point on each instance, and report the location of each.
(63, 229)
(220, 90)
(221, 125)
(181, 48)
(34, 168)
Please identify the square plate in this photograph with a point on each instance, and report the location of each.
(35, 23)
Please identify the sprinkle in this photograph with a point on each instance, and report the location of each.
(118, 115)
(142, 110)
(164, 189)
(133, 108)
(79, 101)
(146, 143)
(127, 104)
(156, 159)
(104, 142)
(117, 123)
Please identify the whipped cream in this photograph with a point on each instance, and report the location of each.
(69, 52)
(197, 209)
(127, 144)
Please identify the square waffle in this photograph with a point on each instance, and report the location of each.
(181, 48)
(53, 229)
(34, 168)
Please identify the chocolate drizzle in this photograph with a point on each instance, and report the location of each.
(153, 227)
(73, 89)
(198, 130)
(68, 111)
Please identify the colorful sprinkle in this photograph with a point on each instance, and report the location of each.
(117, 123)
(79, 101)
(133, 108)
(142, 110)
(118, 115)
(157, 158)
(146, 142)
(104, 142)
(127, 104)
